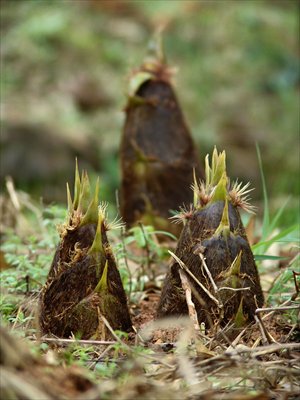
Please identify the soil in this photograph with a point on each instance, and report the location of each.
(146, 310)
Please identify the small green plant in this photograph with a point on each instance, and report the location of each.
(269, 225)
(28, 259)
(106, 369)
(141, 246)
(77, 354)
(271, 233)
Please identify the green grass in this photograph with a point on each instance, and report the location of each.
(30, 257)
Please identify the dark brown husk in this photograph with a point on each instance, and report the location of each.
(219, 252)
(70, 302)
(82, 236)
(75, 285)
(201, 237)
(157, 154)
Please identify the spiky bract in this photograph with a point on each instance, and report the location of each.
(217, 186)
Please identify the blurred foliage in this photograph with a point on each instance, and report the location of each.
(64, 67)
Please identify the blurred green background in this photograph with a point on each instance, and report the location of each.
(64, 66)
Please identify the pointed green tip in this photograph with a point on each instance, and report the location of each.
(155, 49)
(155, 57)
(155, 60)
(218, 166)
(102, 284)
(69, 200)
(97, 245)
(77, 185)
(214, 173)
(240, 319)
(91, 215)
(195, 188)
(224, 226)
(220, 191)
(207, 171)
(235, 268)
(233, 272)
(85, 192)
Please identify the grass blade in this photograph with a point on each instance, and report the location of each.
(170, 235)
(278, 215)
(276, 238)
(261, 257)
(266, 217)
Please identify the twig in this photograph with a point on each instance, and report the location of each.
(90, 342)
(267, 338)
(215, 287)
(274, 309)
(271, 348)
(156, 360)
(294, 295)
(233, 289)
(189, 302)
(13, 194)
(137, 334)
(259, 319)
(19, 203)
(184, 267)
(276, 347)
(107, 324)
(17, 317)
(224, 336)
(291, 332)
(238, 338)
(94, 362)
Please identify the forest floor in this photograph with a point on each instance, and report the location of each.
(161, 359)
